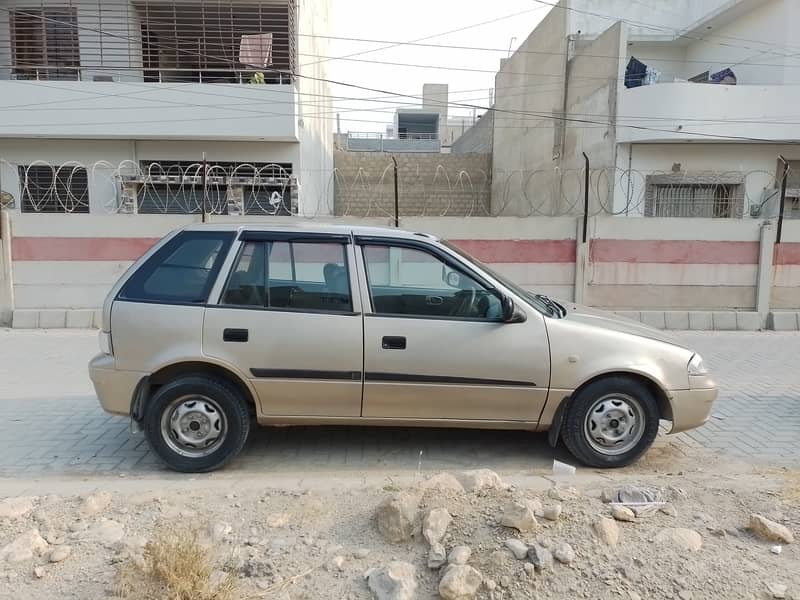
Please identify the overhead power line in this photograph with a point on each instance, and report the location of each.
(464, 105)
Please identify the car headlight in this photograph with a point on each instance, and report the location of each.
(696, 366)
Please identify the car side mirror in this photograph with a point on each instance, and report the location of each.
(511, 313)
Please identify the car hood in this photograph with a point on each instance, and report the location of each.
(578, 313)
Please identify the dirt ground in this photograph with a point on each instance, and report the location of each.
(316, 538)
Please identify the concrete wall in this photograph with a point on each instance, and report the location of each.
(677, 112)
(786, 274)
(756, 162)
(768, 28)
(478, 138)
(103, 110)
(673, 264)
(531, 81)
(315, 111)
(646, 17)
(600, 60)
(429, 184)
(663, 271)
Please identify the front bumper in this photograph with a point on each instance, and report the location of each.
(114, 388)
(691, 408)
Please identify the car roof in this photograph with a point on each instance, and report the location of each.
(306, 226)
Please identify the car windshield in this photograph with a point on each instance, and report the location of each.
(539, 302)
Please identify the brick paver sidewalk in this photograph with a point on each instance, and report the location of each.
(756, 419)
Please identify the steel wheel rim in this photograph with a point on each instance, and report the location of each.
(194, 426)
(614, 424)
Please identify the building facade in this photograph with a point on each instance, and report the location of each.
(684, 109)
(164, 107)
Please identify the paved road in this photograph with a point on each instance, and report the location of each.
(50, 422)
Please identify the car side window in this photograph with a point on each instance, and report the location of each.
(182, 271)
(413, 282)
(291, 275)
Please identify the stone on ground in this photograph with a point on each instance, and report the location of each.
(552, 513)
(459, 555)
(460, 582)
(518, 516)
(24, 547)
(770, 530)
(396, 581)
(14, 508)
(397, 517)
(518, 548)
(95, 503)
(480, 479)
(541, 558)
(437, 556)
(435, 525)
(622, 513)
(607, 530)
(564, 553)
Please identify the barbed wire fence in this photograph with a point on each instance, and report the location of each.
(428, 189)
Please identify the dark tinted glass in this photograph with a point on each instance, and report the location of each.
(183, 271)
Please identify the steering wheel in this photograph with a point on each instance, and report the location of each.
(465, 306)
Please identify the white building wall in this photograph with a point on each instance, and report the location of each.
(758, 163)
(103, 157)
(644, 17)
(763, 36)
(315, 111)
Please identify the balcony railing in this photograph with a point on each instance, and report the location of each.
(405, 142)
(149, 40)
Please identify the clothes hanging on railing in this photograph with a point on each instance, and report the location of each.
(635, 73)
(256, 50)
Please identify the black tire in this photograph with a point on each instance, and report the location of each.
(576, 425)
(234, 414)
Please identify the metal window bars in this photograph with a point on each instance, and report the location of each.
(147, 40)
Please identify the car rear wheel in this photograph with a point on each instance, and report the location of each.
(611, 422)
(196, 424)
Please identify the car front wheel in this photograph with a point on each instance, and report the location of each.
(196, 424)
(611, 422)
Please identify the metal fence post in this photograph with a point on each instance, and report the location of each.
(205, 190)
(782, 205)
(396, 195)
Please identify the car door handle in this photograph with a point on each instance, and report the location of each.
(391, 342)
(235, 335)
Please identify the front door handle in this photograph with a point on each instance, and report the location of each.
(393, 342)
(235, 335)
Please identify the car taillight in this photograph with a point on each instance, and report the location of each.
(105, 343)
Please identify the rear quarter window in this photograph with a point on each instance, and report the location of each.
(183, 271)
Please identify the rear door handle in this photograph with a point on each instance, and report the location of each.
(235, 335)
(392, 342)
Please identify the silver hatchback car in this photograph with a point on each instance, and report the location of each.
(218, 327)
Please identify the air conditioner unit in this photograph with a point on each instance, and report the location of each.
(235, 200)
(129, 198)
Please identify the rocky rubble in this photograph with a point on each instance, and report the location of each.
(457, 536)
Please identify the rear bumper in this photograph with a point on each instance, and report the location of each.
(114, 388)
(691, 408)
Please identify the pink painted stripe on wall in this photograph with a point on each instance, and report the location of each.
(519, 251)
(65, 249)
(674, 252)
(787, 253)
(58, 248)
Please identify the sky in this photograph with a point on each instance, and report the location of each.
(411, 20)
